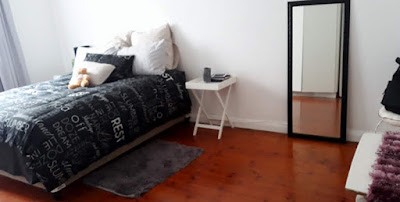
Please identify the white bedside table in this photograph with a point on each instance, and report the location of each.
(200, 85)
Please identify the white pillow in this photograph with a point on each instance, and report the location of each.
(162, 32)
(98, 72)
(150, 59)
(81, 54)
(389, 117)
(119, 41)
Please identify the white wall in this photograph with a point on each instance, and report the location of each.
(374, 45)
(297, 46)
(37, 33)
(316, 42)
(246, 38)
(320, 48)
(242, 38)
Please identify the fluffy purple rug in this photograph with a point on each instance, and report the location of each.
(385, 184)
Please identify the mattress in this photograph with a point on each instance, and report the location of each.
(48, 134)
(104, 159)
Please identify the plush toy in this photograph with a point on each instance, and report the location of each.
(81, 79)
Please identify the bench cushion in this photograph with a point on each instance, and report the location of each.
(389, 117)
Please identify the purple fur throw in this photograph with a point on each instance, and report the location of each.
(385, 184)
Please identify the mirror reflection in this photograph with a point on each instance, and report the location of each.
(317, 43)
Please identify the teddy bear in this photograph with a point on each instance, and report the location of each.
(81, 79)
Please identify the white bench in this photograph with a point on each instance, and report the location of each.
(358, 179)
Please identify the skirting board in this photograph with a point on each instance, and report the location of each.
(266, 125)
(355, 135)
(263, 125)
(316, 95)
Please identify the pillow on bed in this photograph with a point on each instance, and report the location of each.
(81, 53)
(123, 65)
(150, 59)
(98, 72)
(162, 32)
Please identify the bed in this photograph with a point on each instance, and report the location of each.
(51, 136)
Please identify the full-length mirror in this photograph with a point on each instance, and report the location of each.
(318, 48)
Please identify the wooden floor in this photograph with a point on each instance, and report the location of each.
(245, 165)
(317, 116)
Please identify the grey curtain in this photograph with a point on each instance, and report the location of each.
(1, 86)
(13, 71)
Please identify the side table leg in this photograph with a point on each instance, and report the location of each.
(198, 113)
(202, 107)
(225, 106)
(222, 104)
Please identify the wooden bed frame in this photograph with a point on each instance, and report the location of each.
(56, 192)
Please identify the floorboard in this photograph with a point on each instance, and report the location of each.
(245, 165)
(317, 116)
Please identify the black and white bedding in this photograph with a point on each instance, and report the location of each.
(48, 133)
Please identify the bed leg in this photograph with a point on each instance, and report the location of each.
(56, 196)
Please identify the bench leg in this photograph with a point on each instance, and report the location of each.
(57, 196)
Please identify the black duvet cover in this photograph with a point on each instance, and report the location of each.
(49, 133)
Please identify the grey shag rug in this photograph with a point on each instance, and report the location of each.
(141, 169)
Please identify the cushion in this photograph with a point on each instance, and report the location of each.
(391, 97)
(119, 41)
(82, 51)
(162, 32)
(76, 48)
(98, 72)
(123, 65)
(150, 59)
(389, 117)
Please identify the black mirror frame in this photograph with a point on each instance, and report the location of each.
(346, 32)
